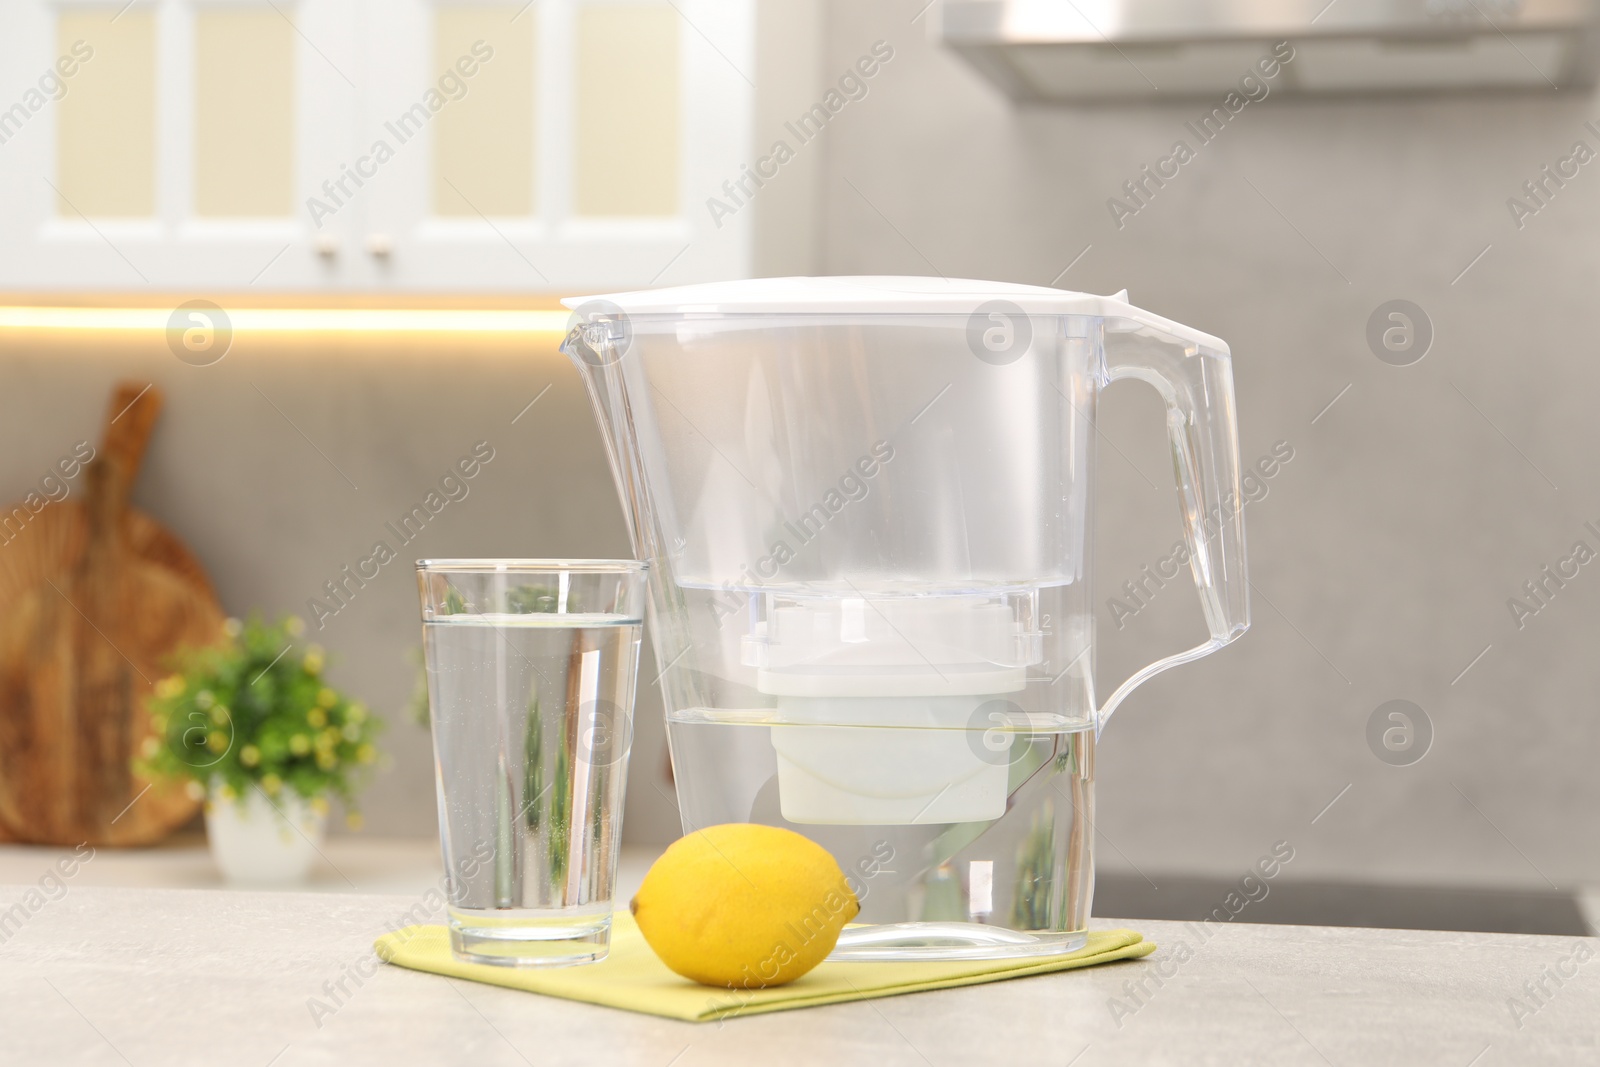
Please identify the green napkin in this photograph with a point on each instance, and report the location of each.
(632, 978)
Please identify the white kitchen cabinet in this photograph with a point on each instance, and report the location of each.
(636, 107)
(126, 177)
(412, 145)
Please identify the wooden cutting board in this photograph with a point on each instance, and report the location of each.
(96, 597)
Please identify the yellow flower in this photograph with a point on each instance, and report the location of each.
(271, 783)
(225, 791)
(219, 714)
(249, 755)
(354, 820)
(357, 712)
(366, 753)
(351, 732)
(170, 686)
(299, 744)
(295, 625)
(327, 697)
(317, 717)
(314, 660)
(328, 738)
(327, 760)
(232, 628)
(319, 805)
(217, 741)
(149, 748)
(203, 699)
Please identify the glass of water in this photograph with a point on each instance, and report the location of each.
(531, 667)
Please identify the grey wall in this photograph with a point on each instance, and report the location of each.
(1386, 550)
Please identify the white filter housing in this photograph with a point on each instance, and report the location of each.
(897, 689)
(935, 771)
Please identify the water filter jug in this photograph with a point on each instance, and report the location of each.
(867, 505)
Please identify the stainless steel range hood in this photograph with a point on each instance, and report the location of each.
(1084, 50)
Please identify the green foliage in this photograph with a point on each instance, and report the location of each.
(417, 708)
(530, 600)
(254, 710)
(1036, 868)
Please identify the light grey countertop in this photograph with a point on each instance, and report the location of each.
(145, 976)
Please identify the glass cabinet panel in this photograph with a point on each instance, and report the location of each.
(244, 102)
(106, 123)
(625, 158)
(484, 134)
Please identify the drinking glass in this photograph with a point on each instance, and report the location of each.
(531, 667)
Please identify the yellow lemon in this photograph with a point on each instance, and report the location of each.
(744, 906)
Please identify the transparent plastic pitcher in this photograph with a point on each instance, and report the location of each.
(866, 504)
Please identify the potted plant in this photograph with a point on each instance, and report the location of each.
(250, 725)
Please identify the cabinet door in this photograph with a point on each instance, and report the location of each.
(559, 144)
(172, 144)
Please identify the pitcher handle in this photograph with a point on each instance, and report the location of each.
(1194, 375)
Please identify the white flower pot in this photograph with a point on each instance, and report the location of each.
(257, 843)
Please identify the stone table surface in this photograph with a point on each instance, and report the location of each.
(144, 976)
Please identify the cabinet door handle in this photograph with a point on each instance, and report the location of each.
(326, 244)
(380, 245)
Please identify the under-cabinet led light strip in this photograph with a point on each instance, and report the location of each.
(294, 320)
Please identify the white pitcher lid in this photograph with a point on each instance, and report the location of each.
(886, 295)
